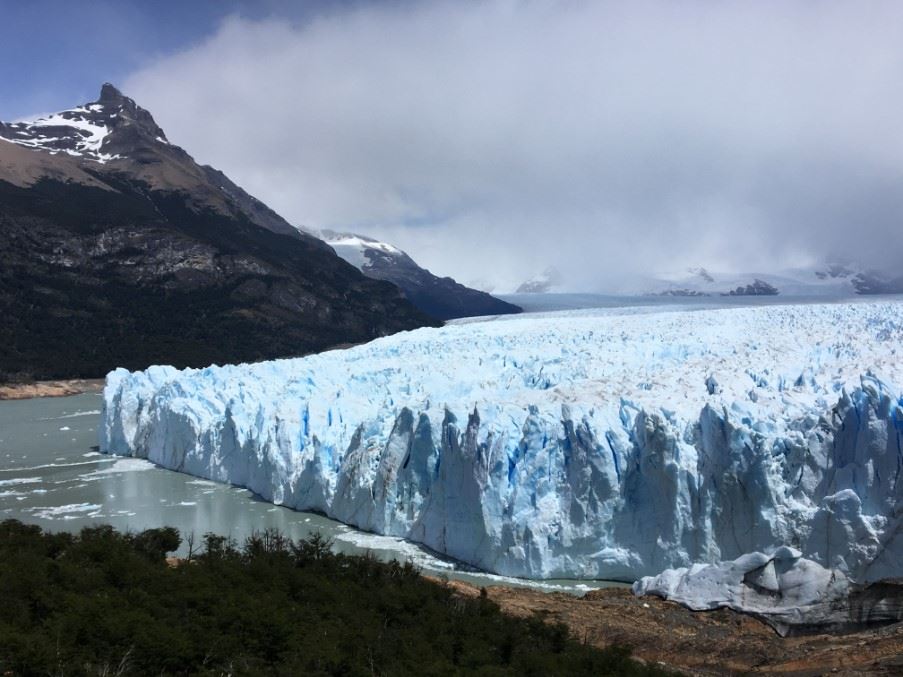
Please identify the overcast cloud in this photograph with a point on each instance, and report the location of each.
(493, 139)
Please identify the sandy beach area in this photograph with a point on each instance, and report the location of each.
(24, 391)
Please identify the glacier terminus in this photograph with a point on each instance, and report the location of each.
(608, 443)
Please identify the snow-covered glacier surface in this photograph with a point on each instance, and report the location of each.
(597, 444)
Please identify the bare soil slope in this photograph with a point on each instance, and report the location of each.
(703, 643)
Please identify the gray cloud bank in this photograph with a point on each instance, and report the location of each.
(493, 139)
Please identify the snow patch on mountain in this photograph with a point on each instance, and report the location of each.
(439, 297)
(601, 444)
(79, 132)
(354, 248)
(88, 132)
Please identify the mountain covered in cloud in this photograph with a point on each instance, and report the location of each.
(439, 297)
(864, 281)
(590, 156)
(828, 280)
(118, 249)
(547, 281)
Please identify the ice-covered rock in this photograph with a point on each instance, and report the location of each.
(600, 444)
(790, 592)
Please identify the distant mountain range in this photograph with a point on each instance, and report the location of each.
(830, 280)
(862, 280)
(440, 297)
(118, 249)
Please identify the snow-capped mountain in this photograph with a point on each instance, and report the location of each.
(439, 297)
(358, 250)
(545, 282)
(115, 137)
(599, 444)
(708, 282)
(117, 248)
(830, 280)
(112, 128)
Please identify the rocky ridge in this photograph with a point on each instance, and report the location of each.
(439, 297)
(118, 249)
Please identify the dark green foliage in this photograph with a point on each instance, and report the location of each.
(107, 603)
(155, 543)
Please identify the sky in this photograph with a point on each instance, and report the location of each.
(494, 139)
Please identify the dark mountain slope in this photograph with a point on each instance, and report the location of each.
(440, 297)
(124, 252)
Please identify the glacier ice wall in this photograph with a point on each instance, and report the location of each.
(597, 444)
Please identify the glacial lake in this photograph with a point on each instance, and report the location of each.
(52, 475)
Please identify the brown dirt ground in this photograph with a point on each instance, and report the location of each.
(719, 642)
(23, 391)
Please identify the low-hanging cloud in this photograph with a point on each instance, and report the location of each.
(493, 139)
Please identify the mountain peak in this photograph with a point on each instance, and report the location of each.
(112, 128)
(111, 97)
(109, 94)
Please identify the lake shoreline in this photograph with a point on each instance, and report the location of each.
(57, 388)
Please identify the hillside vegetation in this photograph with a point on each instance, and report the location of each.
(103, 602)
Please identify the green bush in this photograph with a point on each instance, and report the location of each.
(102, 602)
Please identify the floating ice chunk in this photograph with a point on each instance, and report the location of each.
(66, 512)
(19, 480)
(120, 466)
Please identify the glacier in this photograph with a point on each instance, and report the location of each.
(608, 443)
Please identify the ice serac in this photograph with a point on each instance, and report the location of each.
(596, 444)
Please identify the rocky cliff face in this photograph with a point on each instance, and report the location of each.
(118, 249)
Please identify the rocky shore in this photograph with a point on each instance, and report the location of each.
(24, 391)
